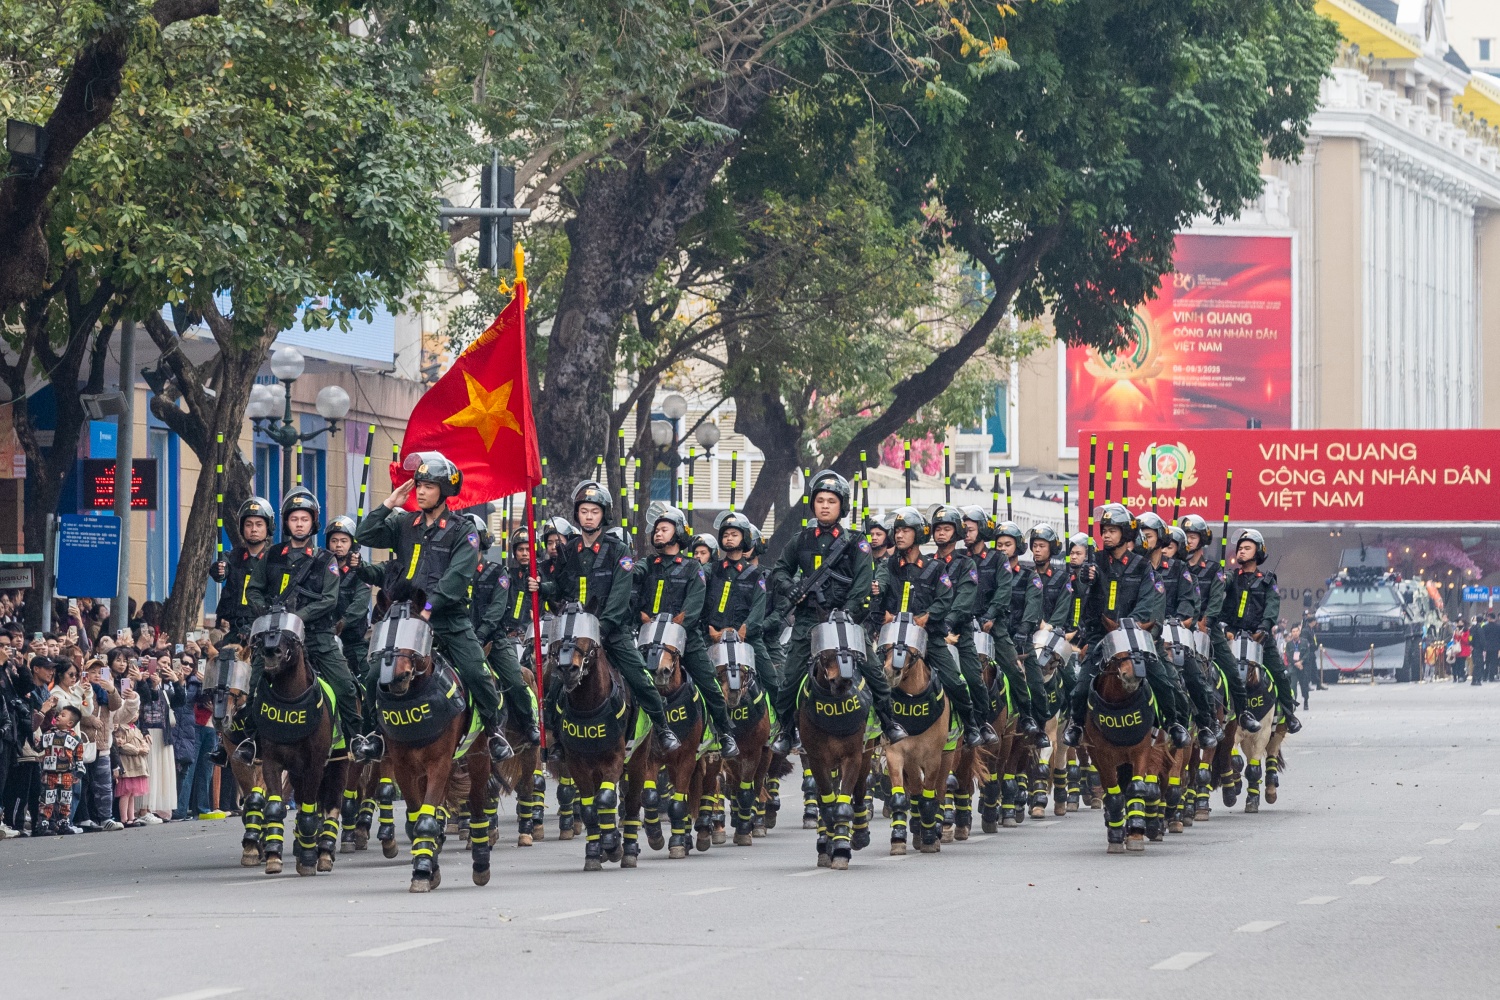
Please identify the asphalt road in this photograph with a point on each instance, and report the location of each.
(1374, 876)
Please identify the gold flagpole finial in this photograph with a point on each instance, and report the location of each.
(520, 256)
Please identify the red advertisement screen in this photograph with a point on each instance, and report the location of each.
(1305, 476)
(1212, 351)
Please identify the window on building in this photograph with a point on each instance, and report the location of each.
(162, 535)
(268, 472)
(1484, 50)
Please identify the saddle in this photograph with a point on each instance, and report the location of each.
(419, 717)
(286, 722)
(835, 716)
(917, 712)
(1126, 723)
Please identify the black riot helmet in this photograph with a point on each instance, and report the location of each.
(659, 512)
(1156, 524)
(942, 513)
(703, 541)
(435, 468)
(301, 498)
(734, 519)
(557, 526)
(1078, 539)
(1117, 515)
(757, 543)
(1251, 535)
(1044, 533)
(258, 507)
(482, 529)
(341, 525)
(1194, 524)
(984, 520)
(829, 481)
(874, 522)
(909, 517)
(1010, 529)
(589, 491)
(1178, 538)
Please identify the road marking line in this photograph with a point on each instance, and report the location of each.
(1492, 812)
(1182, 960)
(206, 994)
(70, 857)
(1466, 827)
(93, 899)
(814, 871)
(570, 914)
(1317, 900)
(1441, 840)
(1045, 822)
(1258, 926)
(893, 857)
(1367, 880)
(1407, 860)
(391, 949)
(705, 892)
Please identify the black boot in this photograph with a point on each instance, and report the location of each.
(728, 748)
(785, 740)
(987, 732)
(246, 752)
(972, 736)
(1178, 734)
(1208, 735)
(1293, 724)
(664, 735)
(367, 747)
(1040, 736)
(1249, 723)
(500, 748)
(531, 734)
(1028, 726)
(1073, 734)
(219, 756)
(889, 727)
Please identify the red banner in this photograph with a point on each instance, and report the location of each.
(1308, 476)
(1212, 351)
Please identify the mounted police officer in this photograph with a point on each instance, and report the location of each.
(736, 593)
(1017, 618)
(303, 577)
(1211, 584)
(1182, 600)
(594, 569)
(1120, 584)
(672, 583)
(352, 612)
(555, 532)
(497, 603)
(826, 568)
(436, 553)
(947, 527)
(1079, 550)
(257, 521)
(1179, 594)
(992, 601)
(1252, 604)
(926, 588)
(703, 549)
(878, 534)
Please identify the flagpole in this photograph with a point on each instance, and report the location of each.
(531, 538)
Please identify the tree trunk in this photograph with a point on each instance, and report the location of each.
(627, 222)
(761, 416)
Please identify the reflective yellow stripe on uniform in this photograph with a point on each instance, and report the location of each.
(724, 598)
(245, 591)
(817, 562)
(520, 597)
(656, 602)
(1244, 596)
(416, 554)
(1114, 586)
(1077, 610)
(905, 596)
(286, 578)
(583, 590)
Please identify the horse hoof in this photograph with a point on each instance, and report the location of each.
(361, 840)
(565, 835)
(628, 861)
(539, 832)
(1252, 806)
(758, 831)
(898, 848)
(704, 842)
(1156, 837)
(677, 852)
(947, 837)
(989, 826)
(1009, 823)
(1201, 816)
(1037, 812)
(1116, 848)
(1270, 795)
(593, 865)
(719, 836)
(961, 833)
(839, 864)
(824, 861)
(1072, 806)
(929, 848)
(306, 869)
(615, 856)
(346, 847)
(420, 885)
(1176, 826)
(809, 823)
(655, 840)
(250, 857)
(1135, 844)
(1061, 809)
(325, 863)
(743, 840)
(388, 848)
(482, 877)
(1096, 803)
(523, 840)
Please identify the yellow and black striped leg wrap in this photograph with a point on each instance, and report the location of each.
(386, 796)
(254, 816)
(424, 845)
(348, 810)
(275, 825)
(567, 796)
(900, 814)
(1114, 813)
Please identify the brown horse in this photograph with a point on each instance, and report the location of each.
(750, 716)
(295, 724)
(227, 680)
(1260, 703)
(662, 643)
(431, 729)
(923, 710)
(982, 765)
(832, 716)
(1119, 732)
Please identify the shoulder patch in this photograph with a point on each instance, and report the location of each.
(1036, 582)
(761, 583)
(864, 546)
(504, 582)
(474, 539)
(627, 563)
(1161, 588)
(701, 575)
(945, 581)
(974, 576)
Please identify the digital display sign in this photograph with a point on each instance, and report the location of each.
(97, 488)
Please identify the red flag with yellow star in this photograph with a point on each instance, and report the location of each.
(479, 414)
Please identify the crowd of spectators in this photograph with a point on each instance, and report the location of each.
(101, 730)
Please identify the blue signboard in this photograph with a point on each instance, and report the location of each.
(88, 555)
(1476, 595)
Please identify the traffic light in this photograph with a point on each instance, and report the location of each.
(497, 189)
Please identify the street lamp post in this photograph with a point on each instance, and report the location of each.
(287, 365)
(707, 435)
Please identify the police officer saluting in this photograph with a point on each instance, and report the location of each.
(826, 568)
(1252, 604)
(594, 569)
(1211, 581)
(435, 554)
(355, 578)
(672, 583)
(257, 523)
(1121, 585)
(736, 593)
(303, 577)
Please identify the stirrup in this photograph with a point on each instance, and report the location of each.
(1073, 734)
(247, 751)
(785, 740)
(1249, 723)
(728, 748)
(667, 738)
(500, 750)
(988, 732)
(367, 747)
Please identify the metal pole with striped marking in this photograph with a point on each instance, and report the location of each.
(1224, 541)
(1010, 513)
(1093, 455)
(1109, 470)
(364, 474)
(219, 494)
(906, 471)
(947, 473)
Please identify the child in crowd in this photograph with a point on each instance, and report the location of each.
(62, 752)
